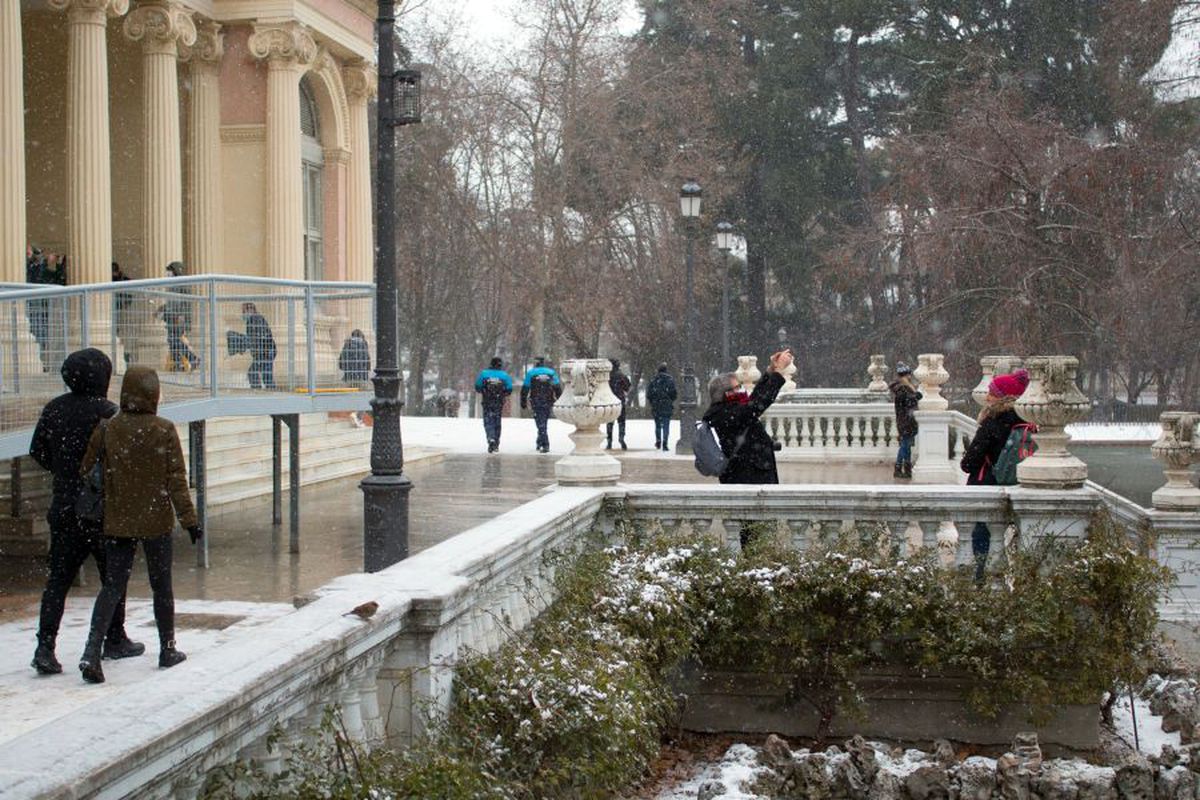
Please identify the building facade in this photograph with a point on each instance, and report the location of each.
(231, 135)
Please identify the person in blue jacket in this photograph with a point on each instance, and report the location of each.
(539, 391)
(494, 386)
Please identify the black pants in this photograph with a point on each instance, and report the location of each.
(71, 542)
(662, 427)
(620, 427)
(119, 554)
(541, 418)
(981, 543)
(182, 357)
(262, 374)
(491, 424)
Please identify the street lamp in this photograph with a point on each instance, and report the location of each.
(385, 490)
(725, 244)
(689, 207)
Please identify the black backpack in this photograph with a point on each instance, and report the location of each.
(493, 390)
(706, 448)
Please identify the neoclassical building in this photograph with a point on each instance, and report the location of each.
(228, 134)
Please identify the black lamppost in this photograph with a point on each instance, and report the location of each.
(725, 244)
(385, 490)
(689, 207)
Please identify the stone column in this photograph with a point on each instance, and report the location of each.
(12, 146)
(933, 463)
(289, 49)
(89, 173)
(206, 227)
(361, 86)
(161, 26)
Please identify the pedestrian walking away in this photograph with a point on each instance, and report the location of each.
(539, 391)
(494, 385)
(60, 440)
(905, 398)
(661, 394)
(735, 416)
(145, 491)
(355, 363)
(619, 383)
(996, 422)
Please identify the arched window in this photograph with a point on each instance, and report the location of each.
(312, 166)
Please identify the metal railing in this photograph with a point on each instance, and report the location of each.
(208, 336)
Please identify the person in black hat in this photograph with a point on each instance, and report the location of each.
(905, 397)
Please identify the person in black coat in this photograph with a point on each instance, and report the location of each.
(735, 416)
(661, 394)
(177, 317)
(59, 442)
(996, 422)
(260, 342)
(619, 383)
(355, 359)
(905, 397)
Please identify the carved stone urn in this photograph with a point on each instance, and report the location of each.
(932, 375)
(587, 403)
(1178, 449)
(747, 372)
(993, 366)
(1052, 402)
(878, 372)
(789, 375)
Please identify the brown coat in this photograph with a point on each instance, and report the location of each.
(144, 472)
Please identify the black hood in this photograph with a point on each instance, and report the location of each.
(87, 372)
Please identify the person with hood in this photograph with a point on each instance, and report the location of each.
(355, 360)
(145, 480)
(905, 397)
(177, 317)
(494, 385)
(996, 421)
(661, 394)
(540, 389)
(59, 442)
(261, 344)
(619, 383)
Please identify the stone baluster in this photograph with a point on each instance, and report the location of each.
(933, 462)
(205, 222)
(161, 26)
(349, 697)
(372, 716)
(1178, 449)
(189, 785)
(947, 543)
(268, 756)
(878, 372)
(1052, 401)
(991, 366)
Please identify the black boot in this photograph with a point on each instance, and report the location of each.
(89, 665)
(44, 661)
(609, 445)
(123, 648)
(908, 470)
(169, 656)
(623, 445)
(898, 472)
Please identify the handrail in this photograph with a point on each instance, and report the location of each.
(8, 291)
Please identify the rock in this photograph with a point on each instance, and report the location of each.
(928, 782)
(886, 786)
(943, 753)
(709, 790)
(1151, 686)
(847, 781)
(1013, 779)
(1025, 747)
(1135, 780)
(1168, 757)
(864, 757)
(975, 779)
(1175, 783)
(810, 778)
(775, 753)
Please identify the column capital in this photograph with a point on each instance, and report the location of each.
(161, 26)
(209, 47)
(93, 11)
(361, 81)
(283, 44)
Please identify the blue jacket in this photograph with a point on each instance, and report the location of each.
(494, 385)
(541, 387)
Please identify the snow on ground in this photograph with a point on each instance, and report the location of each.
(1151, 737)
(736, 771)
(519, 436)
(1112, 432)
(30, 701)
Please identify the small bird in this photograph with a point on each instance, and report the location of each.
(364, 611)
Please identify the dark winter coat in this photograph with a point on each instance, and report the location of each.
(177, 314)
(355, 360)
(541, 388)
(144, 472)
(619, 383)
(62, 433)
(738, 423)
(661, 394)
(259, 339)
(985, 448)
(494, 386)
(905, 398)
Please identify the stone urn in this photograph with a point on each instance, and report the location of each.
(1052, 402)
(747, 372)
(991, 367)
(932, 376)
(1178, 449)
(878, 372)
(587, 403)
(789, 378)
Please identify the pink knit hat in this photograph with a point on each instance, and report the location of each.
(1010, 385)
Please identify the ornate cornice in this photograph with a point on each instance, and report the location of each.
(283, 43)
(93, 11)
(361, 81)
(336, 155)
(209, 48)
(243, 134)
(161, 26)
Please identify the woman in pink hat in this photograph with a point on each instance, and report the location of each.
(996, 422)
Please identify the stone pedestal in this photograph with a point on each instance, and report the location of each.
(747, 372)
(588, 404)
(878, 372)
(932, 376)
(933, 463)
(1177, 449)
(1052, 402)
(991, 366)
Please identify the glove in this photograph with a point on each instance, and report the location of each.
(195, 533)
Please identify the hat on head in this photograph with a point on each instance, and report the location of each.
(615, 362)
(1010, 385)
(540, 361)
(496, 363)
(175, 268)
(903, 369)
(662, 367)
